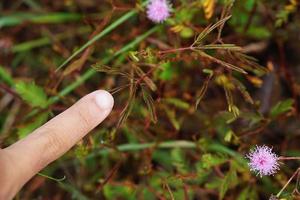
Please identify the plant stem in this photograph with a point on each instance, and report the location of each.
(176, 50)
(287, 183)
(101, 34)
(28, 45)
(288, 158)
(88, 74)
(52, 178)
(183, 144)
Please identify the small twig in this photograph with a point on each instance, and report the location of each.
(288, 158)
(144, 76)
(176, 50)
(109, 176)
(288, 182)
(52, 178)
(250, 19)
(9, 90)
(169, 190)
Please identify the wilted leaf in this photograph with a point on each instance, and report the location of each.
(128, 107)
(221, 62)
(106, 69)
(244, 91)
(77, 64)
(204, 86)
(209, 29)
(172, 117)
(143, 76)
(150, 104)
(134, 56)
(208, 7)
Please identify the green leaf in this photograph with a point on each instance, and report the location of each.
(259, 32)
(6, 77)
(178, 103)
(244, 195)
(28, 128)
(118, 192)
(229, 181)
(282, 107)
(209, 160)
(172, 117)
(168, 71)
(81, 152)
(178, 160)
(228, 136)
(31, 93)
(100, 35)
(18, 18)
(185, 15)
(186, 32)
(163, 158)
(73, 191)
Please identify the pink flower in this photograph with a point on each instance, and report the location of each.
(263, 161)
(158, 10)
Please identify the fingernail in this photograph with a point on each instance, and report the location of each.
(104, 100)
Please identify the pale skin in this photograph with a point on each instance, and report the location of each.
(24, 159)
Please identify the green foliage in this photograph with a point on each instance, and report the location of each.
(229, 181)
(283, 15)
(75, 193)
(24, 130)
(33, 94)
(155, 144)
(178, 103)
(168, 71)
(18, 18)
(150, 104)
(209, 160)
(247, 194)
(178, 160)
(115, 192)
(282, 107)
(6, 77)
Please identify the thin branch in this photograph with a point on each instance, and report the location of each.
(288, 158)
(288, 182)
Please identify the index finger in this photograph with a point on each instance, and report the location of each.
(57, 136)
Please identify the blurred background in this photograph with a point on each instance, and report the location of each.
(192, 94)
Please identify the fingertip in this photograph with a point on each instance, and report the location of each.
(104, 100)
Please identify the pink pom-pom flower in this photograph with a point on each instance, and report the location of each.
(263, 161)
(158, 10)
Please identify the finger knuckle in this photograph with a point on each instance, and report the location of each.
(85, 119)
(54, 144)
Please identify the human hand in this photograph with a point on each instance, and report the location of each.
(22, 160)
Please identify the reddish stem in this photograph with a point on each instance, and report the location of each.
(288, 158)
(176, 50)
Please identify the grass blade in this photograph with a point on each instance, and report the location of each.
(19, 18)
(100, 35)
(88, 74)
